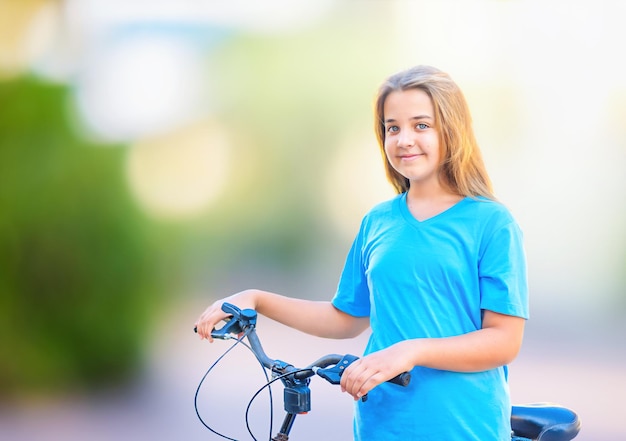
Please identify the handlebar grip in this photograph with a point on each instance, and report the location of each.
(333, 374)
(402, 379)
(231, 327)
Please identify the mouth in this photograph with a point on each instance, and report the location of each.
(410, 157)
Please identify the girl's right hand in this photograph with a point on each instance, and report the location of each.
(214, 314)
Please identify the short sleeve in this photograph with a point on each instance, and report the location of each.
(352, 296)
(502, 272)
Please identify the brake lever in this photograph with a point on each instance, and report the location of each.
(333, 374)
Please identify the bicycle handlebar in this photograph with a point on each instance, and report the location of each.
(330, 367)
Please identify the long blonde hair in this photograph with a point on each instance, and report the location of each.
(462, 168)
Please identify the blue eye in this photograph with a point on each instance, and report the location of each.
(422, 126)
(392, 129)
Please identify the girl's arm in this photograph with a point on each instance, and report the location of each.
(321, 319)
(496, 344)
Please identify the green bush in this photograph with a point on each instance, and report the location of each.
(79, 278)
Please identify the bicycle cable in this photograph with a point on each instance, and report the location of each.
(267, 385)
(238, 341)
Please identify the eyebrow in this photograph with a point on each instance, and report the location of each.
(390, 120)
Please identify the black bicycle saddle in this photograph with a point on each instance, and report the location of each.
(544, 422)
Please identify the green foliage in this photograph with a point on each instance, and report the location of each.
(78, 263)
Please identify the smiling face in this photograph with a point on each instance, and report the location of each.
(411, 137)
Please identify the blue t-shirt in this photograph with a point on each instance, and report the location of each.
(433, 279)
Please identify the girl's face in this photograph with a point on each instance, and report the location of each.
(411, 138)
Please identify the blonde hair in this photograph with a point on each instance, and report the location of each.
(462, 168)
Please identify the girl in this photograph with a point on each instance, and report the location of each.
(438, 273)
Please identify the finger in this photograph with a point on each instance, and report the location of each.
(203, 330)
(359, 388)
(361, 380)
(370, 383)
(355, 378)
(347, 378)
(205, 325)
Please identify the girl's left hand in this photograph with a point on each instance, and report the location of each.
(368, 372)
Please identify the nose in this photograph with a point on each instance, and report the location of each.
(405, 139)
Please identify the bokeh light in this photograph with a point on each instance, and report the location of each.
(141, 84)
(27, 31)
(178, 174)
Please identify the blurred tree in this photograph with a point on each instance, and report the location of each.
(79, 277)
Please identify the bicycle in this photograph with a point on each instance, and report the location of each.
(530, 422)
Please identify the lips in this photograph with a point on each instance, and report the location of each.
(407, 157)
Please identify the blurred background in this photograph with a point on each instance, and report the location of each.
(157, 155)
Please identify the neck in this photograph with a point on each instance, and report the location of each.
(425, 202)
(430, 190)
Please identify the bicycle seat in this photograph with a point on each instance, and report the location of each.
(544, 422)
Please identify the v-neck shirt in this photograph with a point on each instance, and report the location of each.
(432, 279)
